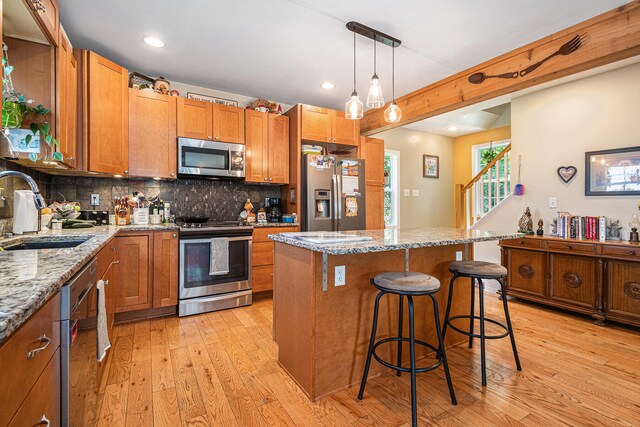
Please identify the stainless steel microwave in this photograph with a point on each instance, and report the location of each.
(208, 158)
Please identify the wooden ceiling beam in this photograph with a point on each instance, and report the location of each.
(608, 38)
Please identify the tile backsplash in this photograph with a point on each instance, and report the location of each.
(219, 200)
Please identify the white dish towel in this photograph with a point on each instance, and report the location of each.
(219, 262)
(103, 330)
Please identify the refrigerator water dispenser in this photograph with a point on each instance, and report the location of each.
(323, 206)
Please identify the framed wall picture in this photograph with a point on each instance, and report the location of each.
(613, 172)
(430, 166)
(209, 98)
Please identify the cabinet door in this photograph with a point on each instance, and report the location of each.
(108, 121)
(165, 268)
(62, 54)
(71, 156)
(195, 119)
(228, 124)
(623, 291)
(134, 274)
(375, 207)
(152, 134)
(48, 17)
(316, 124)
(374, 161)
(344, 131)
(574, 280)
(257, 150)
(262, 278)
(278, 149)
(527, 272)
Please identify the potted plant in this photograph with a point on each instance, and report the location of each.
(16, 108)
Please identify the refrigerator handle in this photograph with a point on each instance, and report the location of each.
(334, 203)
(339, 196)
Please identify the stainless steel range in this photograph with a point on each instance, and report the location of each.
(201, 291)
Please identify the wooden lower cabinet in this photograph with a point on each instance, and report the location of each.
(601, 279)
(147, 273)
(262, 257)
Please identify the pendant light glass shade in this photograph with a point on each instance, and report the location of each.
(375, 98)
(393, 113)
(353, 107)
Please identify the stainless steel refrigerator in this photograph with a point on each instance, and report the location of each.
(332, 193)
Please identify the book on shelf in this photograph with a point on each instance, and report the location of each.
(581, 227)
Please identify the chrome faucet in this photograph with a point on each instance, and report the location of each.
(37, 198)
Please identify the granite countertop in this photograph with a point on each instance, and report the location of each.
(395, 239)
(274, 224)
(28, 278)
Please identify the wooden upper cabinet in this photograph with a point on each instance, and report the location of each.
(67, 101)
(278, 149)
(165, 268)
(228, 124)
(316, 124)
(134, 274)
(344, 131)
(107, 116)
(257, 149)
(47, 16)
(195, 119)
(152, 134)
(374, 161)
(324, 125)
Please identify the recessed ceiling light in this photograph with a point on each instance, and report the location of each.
(152, 41)
(453, 128)
(327, 85)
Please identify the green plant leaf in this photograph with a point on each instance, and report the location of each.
(48, 139)
(33, 157)
(8, 70)
(33, 126)
(57, 156)
(21, 98)
(27, 139)
(56, 143)
(45, 128)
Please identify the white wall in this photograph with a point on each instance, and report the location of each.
(434, 206)
(555, 127)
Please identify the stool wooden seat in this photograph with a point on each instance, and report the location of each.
(479, 269)
(407, 284)
(407, 281)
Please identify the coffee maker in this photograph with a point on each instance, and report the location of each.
(273, 206)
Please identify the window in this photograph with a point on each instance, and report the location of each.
(495, 188)
(391, 188)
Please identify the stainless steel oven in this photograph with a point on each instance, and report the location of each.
(208, 158)
(202, 292)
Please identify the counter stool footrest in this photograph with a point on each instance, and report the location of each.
(400, 368)
(469, 334)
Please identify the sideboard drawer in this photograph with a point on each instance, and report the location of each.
(632, 252)
(524, 243)
(572, 247)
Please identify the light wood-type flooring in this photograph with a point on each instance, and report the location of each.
(220, 369)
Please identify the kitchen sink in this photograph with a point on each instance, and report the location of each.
(45, 244)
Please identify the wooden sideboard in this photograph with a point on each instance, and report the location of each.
(601, 279)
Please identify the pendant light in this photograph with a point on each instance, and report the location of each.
(353, 107)
(374, 97)
(393, 113)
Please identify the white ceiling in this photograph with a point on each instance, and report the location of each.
(284, 49)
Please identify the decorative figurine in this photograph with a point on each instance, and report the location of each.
(554, 226)
(634, 224)
(613, 230)
(525, 225)
(248, 208)
(540, 231)
(162, 85)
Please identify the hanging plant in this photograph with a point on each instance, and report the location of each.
(16, 108)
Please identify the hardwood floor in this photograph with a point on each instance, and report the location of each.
(220, 369)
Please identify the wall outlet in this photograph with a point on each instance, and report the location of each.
(406, 192)
(553, 202)
(340, 275)
(95, 199)
(416, 193)
(458, 255)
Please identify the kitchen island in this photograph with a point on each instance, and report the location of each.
(322, 330)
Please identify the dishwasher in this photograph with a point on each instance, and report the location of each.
(78, 345)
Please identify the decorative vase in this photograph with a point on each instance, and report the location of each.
(634, 224)
(11, 115)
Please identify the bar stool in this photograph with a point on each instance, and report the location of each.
(409, 285)
(478, 270)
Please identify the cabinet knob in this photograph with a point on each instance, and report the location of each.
(174, 235)
(270, 179)
(172, 174)
(569, 247)
(69, 158)
(265, 179)
(208, 137)
(217, 138)
(44, 421)
(113, 248)
(632, 252)
(126, 171)
(39, 6)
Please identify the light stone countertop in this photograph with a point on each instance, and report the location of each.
(274, 224)
(28, 278)
(396, 239)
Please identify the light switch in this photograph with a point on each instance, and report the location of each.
(95, 199)
(553, 202)
(416, 193)
(406, 192)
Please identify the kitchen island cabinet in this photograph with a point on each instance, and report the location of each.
(323, 330)
(262, 258)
